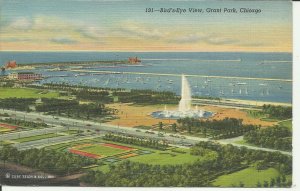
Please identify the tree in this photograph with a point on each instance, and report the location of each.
(272, 182)
(160, 124)
(258, 184)
(174, 127)
(266, 184)
(278, 181)
(242, 184)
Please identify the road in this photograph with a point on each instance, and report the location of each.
(17, 135)
(51, 141)
(104, 128)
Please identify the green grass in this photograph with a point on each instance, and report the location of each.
(63, 146)
(37, 137)
(249, 176)
(255, 114)
(101, 150)
(5, 143)
(72, 132)
(26, 93)
(243, 142)
(165, 158)
(287, 123)
(103, 168)
(4, 129)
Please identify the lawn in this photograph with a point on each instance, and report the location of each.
(165, 158)
(37, 137)
(26, 93)
(99, 149)
(5, 129)
(287, 123)
(63, 146)
(249, 176)
(103, 168)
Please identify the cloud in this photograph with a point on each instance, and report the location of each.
(190, 38)
(21, 23)
(91, 32)
(204, 38)
(220, 41)
(253, 44)
(132, 29)
(63, 40)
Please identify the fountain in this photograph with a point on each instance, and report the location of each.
(186, 98)
(185, 106)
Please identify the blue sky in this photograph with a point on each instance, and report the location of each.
(124, 25)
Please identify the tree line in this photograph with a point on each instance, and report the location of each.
(21, 104)
(147, 97)
(23, 123)
(218, 129)
(150, 143)
(72, 108)
(276, 137)
(279, 112)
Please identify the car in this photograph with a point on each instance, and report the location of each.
(88, 125)
(138, 130)
(160, 135)
(183, 137)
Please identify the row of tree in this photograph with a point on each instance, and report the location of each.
(147, 97)
(21, 104)
(100, 96)
(277, 137)
(72, 108)
(279, 112)
(24, 123)
(151, 143)
(218, 129)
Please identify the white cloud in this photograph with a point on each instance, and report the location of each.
(91, 32)
(189, 38)
(21, 23)
(138, 30)
(217, 40)
(63, 40)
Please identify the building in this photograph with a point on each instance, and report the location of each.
(11, 64)
(133, 60)
(25, 76)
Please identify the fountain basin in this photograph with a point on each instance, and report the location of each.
(181, 114)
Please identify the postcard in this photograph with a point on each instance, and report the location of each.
(128, 93)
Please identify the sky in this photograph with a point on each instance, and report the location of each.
(123, 25)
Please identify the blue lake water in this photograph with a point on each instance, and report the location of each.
(252, 65)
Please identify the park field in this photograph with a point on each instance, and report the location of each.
(5, 129)
(26, 93)
(249, 177)
(100, 149)
(287, 123)
(166, 158)
(139, 154)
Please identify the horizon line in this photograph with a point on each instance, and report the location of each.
(143, 51)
